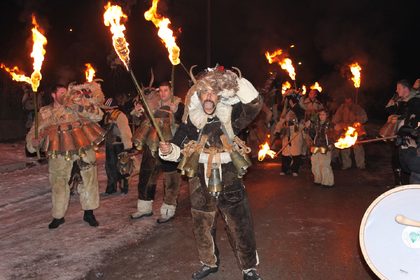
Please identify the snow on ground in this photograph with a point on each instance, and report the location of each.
(29, 250)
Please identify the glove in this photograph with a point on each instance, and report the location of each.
(246, 92)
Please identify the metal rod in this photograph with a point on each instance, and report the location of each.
(173, 79)
(185, 68)
(376, 139)
(149, 113)
(357, 96)
(284, 147)
(36, 122)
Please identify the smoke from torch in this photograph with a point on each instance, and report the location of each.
(112, 17)
(164, 32)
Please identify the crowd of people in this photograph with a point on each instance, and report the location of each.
(200, 139)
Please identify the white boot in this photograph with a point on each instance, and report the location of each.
(144, 209)
(167, 212)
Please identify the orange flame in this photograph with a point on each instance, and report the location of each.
(316, 86)
(355, 70)
(265, 151)
(89, 72)
(284, 62)
(348, 140)
(303, 89)
(17, 75)
(164, 32)
(112, 17)
(285, 86)
(37, 54)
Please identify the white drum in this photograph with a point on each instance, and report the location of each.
(390, 234)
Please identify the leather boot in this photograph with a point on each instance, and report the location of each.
(144, 209)
(55, 223)
(90, 218)
(204, 271)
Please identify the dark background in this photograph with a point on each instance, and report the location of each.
(328, 35)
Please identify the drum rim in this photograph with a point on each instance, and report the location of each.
(365, 217)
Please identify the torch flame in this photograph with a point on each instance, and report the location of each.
(348, 140)
(355, 70)
(285, 86)
(89, 72)
(317, 87)
(37, 54)
(264, 151)
(303, 89)
(285, 63)
(112, 17)
(17, 75)
(164, 32)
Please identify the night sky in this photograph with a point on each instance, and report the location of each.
(328, 35)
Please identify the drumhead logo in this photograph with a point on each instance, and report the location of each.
(411, 237)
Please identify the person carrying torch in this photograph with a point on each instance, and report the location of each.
(68, 132)
(351, 114)
(219, 105)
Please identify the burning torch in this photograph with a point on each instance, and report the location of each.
(112, 17)
(89, 72)
(355, 70)
(38, 52)
(284, 62)
(167, 37)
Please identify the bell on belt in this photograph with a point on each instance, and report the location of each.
(100, 131)
(53, 142)
(79, 138)
(181, 165)
(67, 145)
(240, 163)
(214, 185)
(191, 165)
(90, 133)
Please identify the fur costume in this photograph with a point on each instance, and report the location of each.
(68, 132)
(238, 105)
(168, 117)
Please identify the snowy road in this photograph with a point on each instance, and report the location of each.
(29, 250)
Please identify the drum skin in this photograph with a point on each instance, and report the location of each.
(391, 249)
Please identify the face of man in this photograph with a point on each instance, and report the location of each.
(209, 101)
(403, 91)
(165, 93)
(348, 101)
(58, 95)
(312, 94)
(323, 116)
